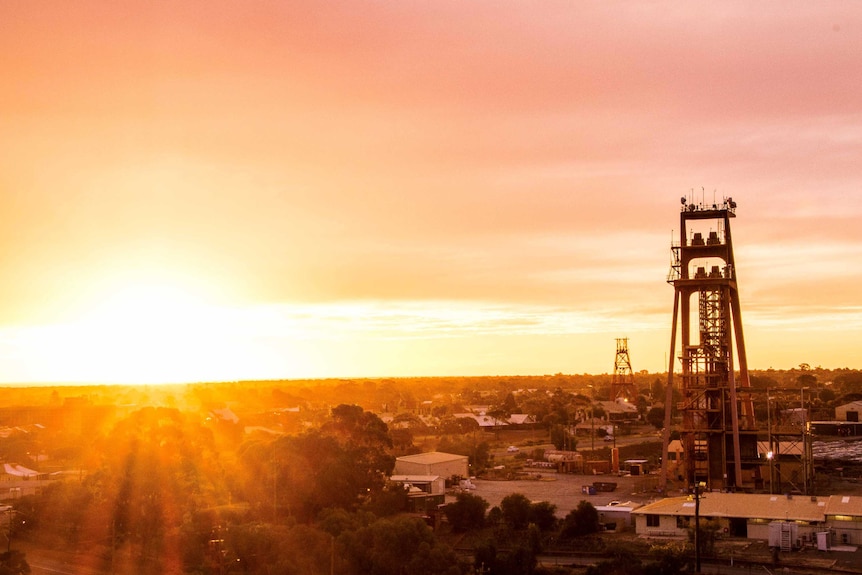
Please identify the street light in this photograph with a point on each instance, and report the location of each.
(770, 455)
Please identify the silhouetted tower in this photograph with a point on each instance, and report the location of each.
(718, 430)
(623, 384)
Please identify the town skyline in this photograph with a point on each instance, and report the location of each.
(213, 192)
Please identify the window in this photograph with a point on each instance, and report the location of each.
(652, 520)
(682, 522)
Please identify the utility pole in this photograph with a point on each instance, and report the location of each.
(806, 462)
(9, 534)
(770, 453)
(697, 527)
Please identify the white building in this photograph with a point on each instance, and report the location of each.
(849, 411)
(445, 465)
(754, 515)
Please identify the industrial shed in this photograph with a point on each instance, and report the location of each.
(424, 492)
(754, 516)
(849, 411)
(445, 465)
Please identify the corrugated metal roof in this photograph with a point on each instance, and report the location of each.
(431, 457)
(743, 505)
(416, 478)
(851, 405)
(844, 505)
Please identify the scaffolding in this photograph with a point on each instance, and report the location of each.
(787, 448)
(623, 384)
(718, 430)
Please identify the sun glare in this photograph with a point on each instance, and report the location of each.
(148, 306)
(146, 332)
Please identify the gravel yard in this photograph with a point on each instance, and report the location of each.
(564, 490)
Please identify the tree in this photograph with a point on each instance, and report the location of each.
(156, 467)
(13, 562)
(516, 510)
(582, 520)
(665, 560)
(598, 412)
(341, 464)
(850, 381)
(621, 562)
(658, 390)
(542, 514)
(519, 560)
(655, 417)
(402, 441)
(466, 512)
(642, 404)
(806, 380)
(394, 547)
(390, 500)
(478, 452)
(559, 436)
(267, 548)
(706, 536)
(762, 381)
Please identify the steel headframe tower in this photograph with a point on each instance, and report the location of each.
(623, 384)
(718, 430)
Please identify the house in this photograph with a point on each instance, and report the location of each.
(619, 411)
(521, 420)
(446, 465)
(590, 426)
(486, 421)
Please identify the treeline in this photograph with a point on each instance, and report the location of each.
(169, 492)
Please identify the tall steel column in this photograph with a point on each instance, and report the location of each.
(623, 383)
(718, 430)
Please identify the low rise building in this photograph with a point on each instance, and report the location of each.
(755, 516)
(849, 411)
(424, 492)
(446, 465)
(617, 516)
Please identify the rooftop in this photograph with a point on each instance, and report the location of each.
(758, 506)
(431, 457)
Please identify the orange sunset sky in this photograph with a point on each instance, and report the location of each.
(209, 190)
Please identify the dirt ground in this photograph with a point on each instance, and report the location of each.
(564, 490)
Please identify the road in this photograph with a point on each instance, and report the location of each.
(44, 561)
